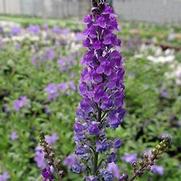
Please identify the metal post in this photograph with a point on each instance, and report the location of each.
(4, 6)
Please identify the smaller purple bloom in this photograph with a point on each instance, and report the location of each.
(164, 93)
(20, 103)
(159, 170)
(114, 169)
(34, 29)
(4, 176)
(70, 160)
(13, 135)
(117, 143)
(56, 30)
(47, 174)
(101, 146)
(15, 30)
(129, 158)
(123, 177)
(94, 128)
(52, 90)
(112, 157)
(76, 168)
(51, 139)
(49, 54)
(91, 178)
(39, 157)
(107, 176)
(63, 87)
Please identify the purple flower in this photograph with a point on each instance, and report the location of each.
(51, 139)
(117, 143)
(70, 160)
(76, 168)
(34, 29)
(15, 30)
(94, 128)
(13, 135)
(39, 157)
(106, 175)
(102, 90)
(20, 103)
(52, 91)
(91, 178)
(4, 176)
(65, 63)
(114, 169)
(47, 174)
(130, 158)
(49, 54)
(159, 170)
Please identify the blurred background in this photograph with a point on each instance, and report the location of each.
(40, 53)
(158, 11)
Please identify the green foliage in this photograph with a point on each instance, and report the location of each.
(148, 115)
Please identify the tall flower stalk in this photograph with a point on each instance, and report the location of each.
(102, 90)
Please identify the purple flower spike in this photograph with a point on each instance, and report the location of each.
(102, 90)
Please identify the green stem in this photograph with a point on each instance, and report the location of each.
(96, 155)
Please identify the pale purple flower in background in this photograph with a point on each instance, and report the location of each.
(79, 37)
(66, 63)
(72, 86)
(130, 158)
(39, 157)
(65, 31)
(46, 27)
(52, 91)
(34, 29)
(62, 86)
(49, 54)
(114, 169)
(34, 60)
(56, 30)
(51, 139)
(18, 46)
(13, 135)
(1, 29)
(16, 30)
(159, 170)
(20, 103)
(4, 176)
(62, 64)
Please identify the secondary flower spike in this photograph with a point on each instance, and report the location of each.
(102, 90)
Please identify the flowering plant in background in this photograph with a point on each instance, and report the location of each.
(18, 104)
